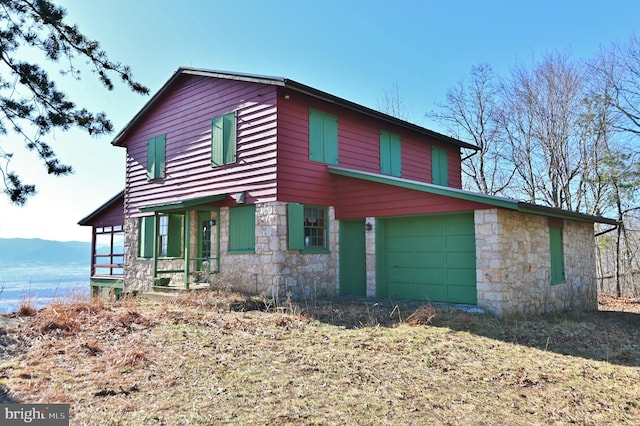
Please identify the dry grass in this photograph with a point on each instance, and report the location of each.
(193, 360)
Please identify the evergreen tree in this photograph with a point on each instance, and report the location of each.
(31, 104)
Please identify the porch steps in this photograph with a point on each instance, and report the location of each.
(169, 292)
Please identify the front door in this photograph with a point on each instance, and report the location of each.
(353, 267)
(207, 241)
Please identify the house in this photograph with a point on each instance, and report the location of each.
(283, 189)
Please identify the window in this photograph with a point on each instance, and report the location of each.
(323, 137)
(439, 166)
(557, 255)
(223, 139)
(308, 227)
(108, 256)
(242, 229)
(156, 157)
(169, 237)
(390, 154)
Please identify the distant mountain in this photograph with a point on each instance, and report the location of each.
(35, 250)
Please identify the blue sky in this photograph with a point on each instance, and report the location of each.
(353, 49)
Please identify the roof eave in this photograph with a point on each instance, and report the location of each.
(86, 221)
(491, 200)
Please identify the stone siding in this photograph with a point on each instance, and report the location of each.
(274, 270)
(514, 265)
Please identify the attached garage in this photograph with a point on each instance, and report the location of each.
(431, 257)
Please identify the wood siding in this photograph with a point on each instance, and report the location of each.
(305, 181)
(358, 198)
(184, 115)
(113, 216)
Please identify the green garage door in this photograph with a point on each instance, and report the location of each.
(430, 258)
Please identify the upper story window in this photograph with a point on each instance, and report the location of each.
(390, 154)
(439, 166)
(223, 139)
(323, 137)
(156, 157)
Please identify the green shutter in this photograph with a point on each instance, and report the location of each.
(217, 138)
(147, 235)
(174, 236)
(557, 256)
(316, 136)
(156, 157)
(296, 226)
(330, 139)
(151, 158)
(229, 133)
(242, 229)
(440, 166)
(323, 137)
(223, 139)
(390, 154)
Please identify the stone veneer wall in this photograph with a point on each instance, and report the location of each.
(274, 270)
(513, 265)
(138, 273)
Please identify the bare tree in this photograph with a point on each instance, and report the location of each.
(392, 103)
(543, 107)
(472, 112)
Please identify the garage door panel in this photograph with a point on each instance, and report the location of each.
(401, 260)
(460, 242)
(403, 290)
(428, 228)
(455, 259)
(431, 275)
(460, 276)
(399, 244)
(430, 258)
(433, 293)
(461, 294)
(429, 242)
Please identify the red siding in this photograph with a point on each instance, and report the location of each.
(184, 114)
(358, 198)
(305, 181)
(111, 216)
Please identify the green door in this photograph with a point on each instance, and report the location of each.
(430, 258)
(353, 268)
(207, 241)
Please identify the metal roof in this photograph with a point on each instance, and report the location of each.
(292, 85)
